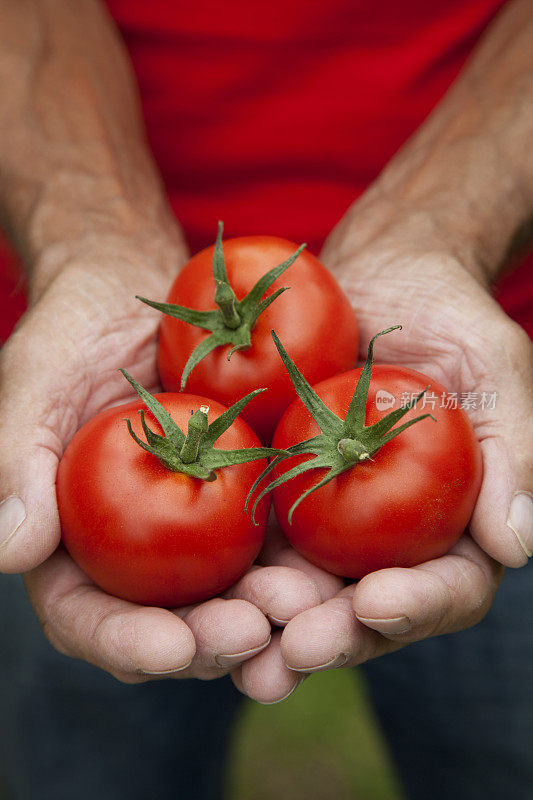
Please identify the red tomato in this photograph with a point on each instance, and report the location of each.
(312, 312)
(145, 533)
(409, 504)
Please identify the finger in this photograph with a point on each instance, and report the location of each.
(394, 607)
(328, 585)
(502, 522)
(279, 592)
(276, 551)
(441, 596)
(265, 678)
(131, 642)
(324, 637)
(227, 633)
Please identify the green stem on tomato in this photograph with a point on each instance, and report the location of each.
(194, 454)
(226, 299)
(233, 321)
(342, 444)
(353, 451)
(197, 428)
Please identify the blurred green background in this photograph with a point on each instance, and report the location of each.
(323, 742)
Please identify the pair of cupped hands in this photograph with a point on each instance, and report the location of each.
(285, 618)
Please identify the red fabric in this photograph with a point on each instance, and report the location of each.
(275, 115)
(12, 298)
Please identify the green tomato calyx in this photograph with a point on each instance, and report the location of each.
(233, 321)
(353, 451)
(342, 443)
(194, 454)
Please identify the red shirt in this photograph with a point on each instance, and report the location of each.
(274, 115)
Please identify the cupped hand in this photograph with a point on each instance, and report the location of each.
(138, 643)
(58, 369)
(266, 678)
(384, 611)
(454, 332)
(391, 608)
(399, 271)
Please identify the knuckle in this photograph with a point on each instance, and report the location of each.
(51, 614)
(474, 592)
(54, 638)
(115, 626)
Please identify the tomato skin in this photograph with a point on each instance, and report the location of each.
(410, 504)
(312, 312)
(144, 533)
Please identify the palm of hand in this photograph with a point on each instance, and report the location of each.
(83, 327)
(98, 327)
(456, 334)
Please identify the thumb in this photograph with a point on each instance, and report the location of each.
(502, 522)
(59, 368)
(38, 414)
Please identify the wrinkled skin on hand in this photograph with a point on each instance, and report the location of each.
(456, 333)
(59, 369)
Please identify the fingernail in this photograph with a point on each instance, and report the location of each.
(170, 671)
(12, 515)
(275, 621)
(300, 680)
(235, 658)
(520, 520)
(336, 661)
(389, 625)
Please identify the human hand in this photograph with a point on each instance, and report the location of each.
(420, 248)
(454, 332)
(59, 369)
(393, 607)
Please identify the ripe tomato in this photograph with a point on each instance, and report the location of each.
(410, 503)
(313, 311)
(145, 533)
